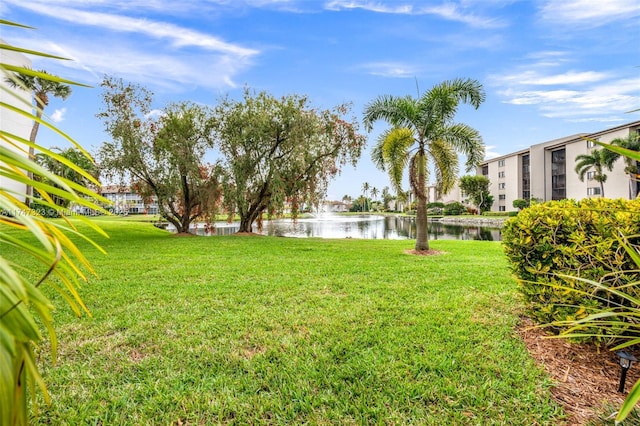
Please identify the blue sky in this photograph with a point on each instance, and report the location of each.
(550, 68)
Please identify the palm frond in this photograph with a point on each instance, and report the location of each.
(445, 160)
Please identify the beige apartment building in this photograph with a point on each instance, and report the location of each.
(547, 171)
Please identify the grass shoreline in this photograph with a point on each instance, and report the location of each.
(245, 330)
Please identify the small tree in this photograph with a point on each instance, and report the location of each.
(280, 152)
(521, 203)
(161, 157)
(477, 189)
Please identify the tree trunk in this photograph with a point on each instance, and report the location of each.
(32, 156)
(246, 223)
(422, 233)
(602, 189)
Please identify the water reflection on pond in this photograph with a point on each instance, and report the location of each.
(363, 227)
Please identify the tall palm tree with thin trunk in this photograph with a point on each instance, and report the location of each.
(632, 166)
(42, 88)
(365, 192)
(374, 195)
(423, 132)
(598, 160)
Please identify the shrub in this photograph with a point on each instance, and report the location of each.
(579, 239)
(454, 208)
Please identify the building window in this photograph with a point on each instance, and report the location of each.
(501, 185)
(591, 143)
(558, 174)
(485, 170)
(595, 190)
(590, 175)
(526, 177)
(500, 174)
(500, 163)
(502, 208)
(502, 197)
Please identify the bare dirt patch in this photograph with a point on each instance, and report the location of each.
(248, 234)
(424, 252)
(586, 379)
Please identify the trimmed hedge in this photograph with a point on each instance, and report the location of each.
(579, 239)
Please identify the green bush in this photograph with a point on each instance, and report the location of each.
(454, 208)
(578, 239)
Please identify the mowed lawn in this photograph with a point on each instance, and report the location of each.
(266, 330)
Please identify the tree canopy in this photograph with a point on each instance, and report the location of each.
(160, 156)
(477, 190)
(280, 153)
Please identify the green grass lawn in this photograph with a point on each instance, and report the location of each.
(266, 330)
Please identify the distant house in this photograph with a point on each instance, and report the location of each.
(12, 122)
(125, 201)
(334, 207)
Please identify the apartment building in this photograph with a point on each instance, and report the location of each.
(125, 201)
(12, 122)
(546, 171)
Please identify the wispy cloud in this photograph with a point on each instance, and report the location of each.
(391, 69)
(178, 36)
(571, 95)
(567, 78)
(589, 12)
(151, 52)
(449, 11)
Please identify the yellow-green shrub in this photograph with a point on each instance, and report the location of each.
(579, 239)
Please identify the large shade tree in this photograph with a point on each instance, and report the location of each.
(42, 85)
(598, 160)
(160, 156)
(280, 152)
(423, 132)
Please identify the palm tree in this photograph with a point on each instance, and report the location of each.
(365, 191)
(598, 160)
(41, 87)
(632, 168)
(423, 130)
(374, 195)
(62, 167)
(386, 197)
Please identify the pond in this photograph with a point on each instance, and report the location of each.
(362, 226)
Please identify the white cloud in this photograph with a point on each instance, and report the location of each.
(448, 11)
(391, 69)
(191, 58)
(404, 9)
(58, 115)
(569, 94)
(155, 113)
(589, 12)
(178, 36)
(489, 152)
(567, 78)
